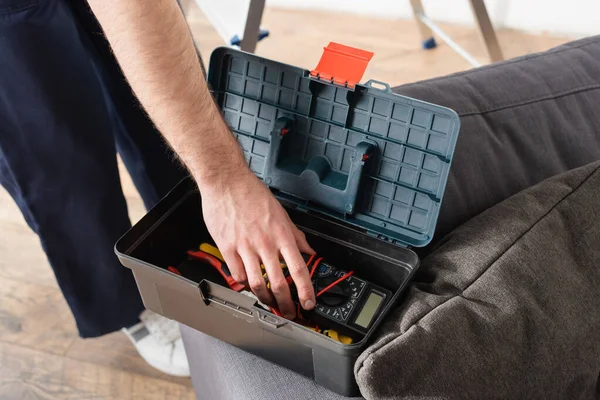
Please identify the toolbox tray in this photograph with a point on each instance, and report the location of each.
(361, 172)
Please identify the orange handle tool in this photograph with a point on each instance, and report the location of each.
(219, 266)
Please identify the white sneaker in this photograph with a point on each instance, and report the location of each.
(158, 341)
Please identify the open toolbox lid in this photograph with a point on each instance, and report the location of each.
(355, 152)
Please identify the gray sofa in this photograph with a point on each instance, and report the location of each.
(507, 305)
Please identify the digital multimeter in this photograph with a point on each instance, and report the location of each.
(353, 304)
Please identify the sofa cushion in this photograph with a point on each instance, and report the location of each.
(508, 306)
(522, 121)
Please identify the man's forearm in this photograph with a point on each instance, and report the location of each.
(251, 228)
(155, 50)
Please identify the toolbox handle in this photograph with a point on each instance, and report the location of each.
(271, 320)
(314, 180)
(375, 84)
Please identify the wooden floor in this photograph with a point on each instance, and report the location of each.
(41, 356)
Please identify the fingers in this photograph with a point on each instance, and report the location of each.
(300, 238)
(255, 278)
(236, 266)
(299, 272)
(301, 242)
(279, 286)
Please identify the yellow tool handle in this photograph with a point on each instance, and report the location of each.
(212, 250)
(336, 336)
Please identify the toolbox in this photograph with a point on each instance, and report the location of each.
(360, 170)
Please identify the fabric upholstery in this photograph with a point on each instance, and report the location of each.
(221, 371)
(522, 121)
(507, 307)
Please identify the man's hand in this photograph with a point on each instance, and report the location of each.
(154, 47)
(250, 227)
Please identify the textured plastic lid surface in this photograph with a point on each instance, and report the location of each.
(404, 177)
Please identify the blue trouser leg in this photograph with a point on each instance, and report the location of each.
(149, 160)
(58, 127)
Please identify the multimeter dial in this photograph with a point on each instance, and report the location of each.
(335, 296)
(340, 300)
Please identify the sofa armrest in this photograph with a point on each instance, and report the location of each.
(522, 121)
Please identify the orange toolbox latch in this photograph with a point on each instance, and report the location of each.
(342, 65)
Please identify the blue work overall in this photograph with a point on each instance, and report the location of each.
(65, 111)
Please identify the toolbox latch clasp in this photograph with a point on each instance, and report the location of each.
(314, 180)
(342, 65)
(271, 320)
(224, 298)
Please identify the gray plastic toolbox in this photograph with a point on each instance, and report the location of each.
(360, 170)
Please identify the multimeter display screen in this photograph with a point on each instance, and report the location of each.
(366, 314)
